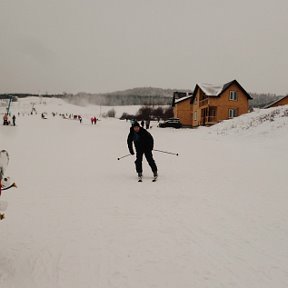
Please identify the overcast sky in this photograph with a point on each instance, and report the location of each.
(70, 46)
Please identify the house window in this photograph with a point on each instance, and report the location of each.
(233, 95)
(195, 116)
(195, 100)
(232, 113)
(212, 111)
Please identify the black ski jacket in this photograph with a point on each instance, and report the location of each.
(143, 140)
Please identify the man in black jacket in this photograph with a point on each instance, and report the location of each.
(143, 142)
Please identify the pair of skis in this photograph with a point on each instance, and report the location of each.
(140, 179)
(6, 184)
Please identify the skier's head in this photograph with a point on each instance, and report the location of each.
(136, 127)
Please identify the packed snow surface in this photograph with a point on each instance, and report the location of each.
(217, 216)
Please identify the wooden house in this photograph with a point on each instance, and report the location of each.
(210, 104)
(279, 102)
(182, 107)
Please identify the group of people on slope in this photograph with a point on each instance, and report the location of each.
(93, 120)
(6, 120)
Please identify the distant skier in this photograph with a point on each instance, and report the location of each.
(132, 121)
(143, 142)
(5, 119)
(142, 123)
(147, 124)
(14, 120)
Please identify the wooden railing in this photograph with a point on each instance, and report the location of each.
(208, 120)
(203, 102)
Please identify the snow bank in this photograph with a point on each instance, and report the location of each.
(261, 121)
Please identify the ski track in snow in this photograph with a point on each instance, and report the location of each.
(216, 217)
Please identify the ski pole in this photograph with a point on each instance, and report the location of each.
(166, 152)
(123, 156)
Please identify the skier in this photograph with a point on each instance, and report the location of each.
(5, 182)
(143, 142)
(14, 120)
(5, 119)
(1, 176)
(2, 215)
(4, 159)
(147, 124)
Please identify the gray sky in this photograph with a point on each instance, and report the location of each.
(106, 45)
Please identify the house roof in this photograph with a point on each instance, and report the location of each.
(180, 96)
(274, 102)
(212, 90)
(182, 99)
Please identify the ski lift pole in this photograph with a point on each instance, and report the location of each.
(166, 152)
(9, 105)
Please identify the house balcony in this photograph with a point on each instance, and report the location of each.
(203, 102)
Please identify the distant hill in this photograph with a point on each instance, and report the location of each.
(135, 96)
(261, 100)
(149, 96)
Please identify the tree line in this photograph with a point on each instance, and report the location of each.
(149, 113)
(136, 96)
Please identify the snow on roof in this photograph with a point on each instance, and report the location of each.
(182, 99)
(211, 89)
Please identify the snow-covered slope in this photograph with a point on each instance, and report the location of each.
(49, 105)
(217, 217)
(261, 121)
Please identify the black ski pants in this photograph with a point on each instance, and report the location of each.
(149, 158)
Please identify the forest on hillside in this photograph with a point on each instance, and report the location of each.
(136, 96)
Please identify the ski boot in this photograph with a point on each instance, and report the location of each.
(155, 176)
(140, 176)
